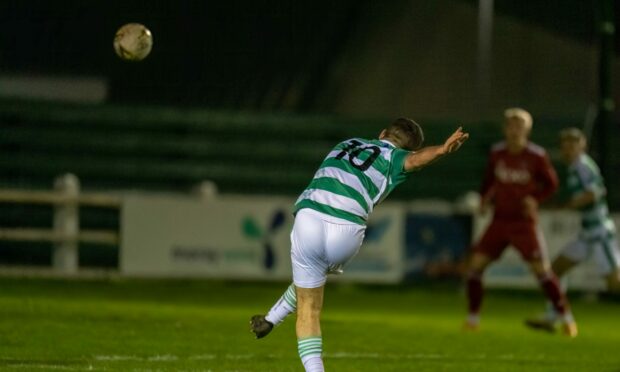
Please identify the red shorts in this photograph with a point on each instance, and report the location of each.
(523, 235)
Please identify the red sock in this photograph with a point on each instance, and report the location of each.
(474, 292)
(551, 287)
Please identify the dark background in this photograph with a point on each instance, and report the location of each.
(251, 54)
(221, 54)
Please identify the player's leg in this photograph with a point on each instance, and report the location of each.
(559, 306)
(309, 270)
(550, 285)
(562, 265)
(262, 325)
(571, 255)
(574, 253)
(607, 257)
(309, 243)
(342, 241)
(285, 305)
(308, 327)
(491, 245)
(475, 292)
(528, 240)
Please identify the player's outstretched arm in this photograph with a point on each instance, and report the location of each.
(427, 155)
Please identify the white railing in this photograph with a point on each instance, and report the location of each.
(65, 232)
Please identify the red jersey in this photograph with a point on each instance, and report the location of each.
(511, 177)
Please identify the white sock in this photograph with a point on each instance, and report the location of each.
(473, 319)
(313, 364)
(285, 305)
(310, 350)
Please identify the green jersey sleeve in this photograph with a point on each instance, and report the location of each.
(397, 173)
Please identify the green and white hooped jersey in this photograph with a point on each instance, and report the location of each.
(354, 177)
(584, 175)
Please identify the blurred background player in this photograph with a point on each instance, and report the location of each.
(330, 221)
(597, 238)
(518, 177)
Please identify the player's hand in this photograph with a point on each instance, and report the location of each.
(530, 206)
(455, 141)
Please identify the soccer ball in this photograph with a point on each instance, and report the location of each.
(133, 42)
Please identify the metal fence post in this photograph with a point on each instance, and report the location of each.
(66, 225)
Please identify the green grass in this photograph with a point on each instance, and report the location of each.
(203, 325)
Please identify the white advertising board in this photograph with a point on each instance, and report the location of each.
(247, 237)
(239, 237)
(177, 236)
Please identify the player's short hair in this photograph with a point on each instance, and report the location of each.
(521, 114)
(574, 134)
(406, 134)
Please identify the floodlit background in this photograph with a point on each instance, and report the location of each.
(179, 172)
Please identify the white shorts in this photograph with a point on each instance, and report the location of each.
(319, 244)
(604, 249)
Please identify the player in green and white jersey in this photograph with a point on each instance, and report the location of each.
(587, 192)
(597, 238)
(330, 220)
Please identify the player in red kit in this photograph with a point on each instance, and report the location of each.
(518, 177)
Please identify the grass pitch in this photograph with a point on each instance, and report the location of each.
(203, 326)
